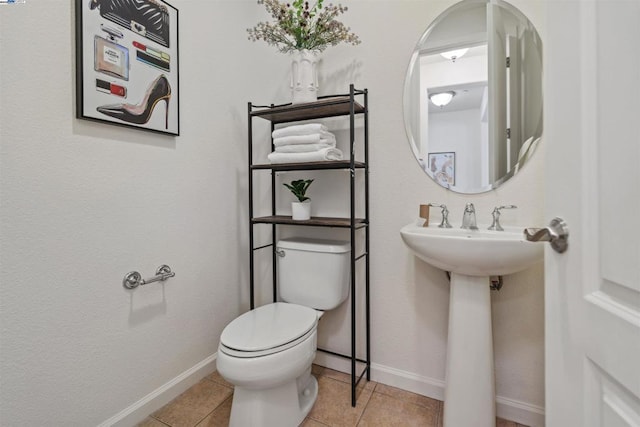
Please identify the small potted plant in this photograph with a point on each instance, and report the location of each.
(301, 210)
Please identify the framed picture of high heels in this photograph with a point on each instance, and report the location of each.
(127, 71)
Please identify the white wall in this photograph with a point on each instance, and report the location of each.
(460, 132)
(83, 203)
(468, 69)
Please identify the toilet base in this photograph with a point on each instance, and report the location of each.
(285, 405)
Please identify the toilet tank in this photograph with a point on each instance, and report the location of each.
(313, 272)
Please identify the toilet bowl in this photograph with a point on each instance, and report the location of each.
(271, 369)
(267, 352)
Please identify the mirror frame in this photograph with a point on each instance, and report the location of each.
(415, 56)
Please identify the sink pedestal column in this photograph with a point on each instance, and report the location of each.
(469, 398)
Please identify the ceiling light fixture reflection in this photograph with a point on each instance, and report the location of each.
(441, 99)
(454, 54)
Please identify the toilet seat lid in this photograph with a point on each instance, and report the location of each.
(268, 327)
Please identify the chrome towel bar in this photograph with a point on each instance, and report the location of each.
(134, 279)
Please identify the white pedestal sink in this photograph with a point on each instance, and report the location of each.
(471, 257)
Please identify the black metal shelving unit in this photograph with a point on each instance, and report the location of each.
(353, 104)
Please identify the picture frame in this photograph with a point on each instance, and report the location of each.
(127, 64)
(442, 168)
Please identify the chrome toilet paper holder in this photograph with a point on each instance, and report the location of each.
(134, 279)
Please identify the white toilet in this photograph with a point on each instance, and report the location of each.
(267, 352)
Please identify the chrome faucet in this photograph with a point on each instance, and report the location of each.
(469, 217)
(496, 217)
(445, 215)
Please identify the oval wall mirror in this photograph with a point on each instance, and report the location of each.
(473, 95)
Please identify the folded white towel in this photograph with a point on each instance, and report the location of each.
(304, 148)
(313, 156)
(314, 138)
(306, 129)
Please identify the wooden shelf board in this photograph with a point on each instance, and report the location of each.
(327, 107)
(331, 164)
(314, 221)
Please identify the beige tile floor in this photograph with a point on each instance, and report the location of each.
(208, 404)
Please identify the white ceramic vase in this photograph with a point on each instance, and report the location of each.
(301, 211)
(304, 76)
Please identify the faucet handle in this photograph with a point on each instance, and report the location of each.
(499, 208)
(495, 225)
(445, 215)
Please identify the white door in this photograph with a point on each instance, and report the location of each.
(497, 56)
(592, 291)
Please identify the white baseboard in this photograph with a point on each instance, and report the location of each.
(161, 396)
(509, 409)
(409, 381)
(520, 412)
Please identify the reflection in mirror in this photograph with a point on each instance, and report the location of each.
(473, 95)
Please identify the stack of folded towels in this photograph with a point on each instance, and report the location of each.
(304, 143)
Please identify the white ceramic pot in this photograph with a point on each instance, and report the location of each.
(301, 211)
(304, 76)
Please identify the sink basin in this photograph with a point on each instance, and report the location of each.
(472, 252)
(471, 256)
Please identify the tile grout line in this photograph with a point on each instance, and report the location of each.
(438, 410)
(367, 405)
(220, 404)
(217, 382)
(161, 422)
(344, 382)
(313, 419)
(209, 413)
(214, 409)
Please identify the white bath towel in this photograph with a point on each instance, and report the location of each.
(323, 137)
(305, 129)
(313, 156)
(304, 148)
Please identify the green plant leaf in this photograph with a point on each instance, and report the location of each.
(299, 188)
